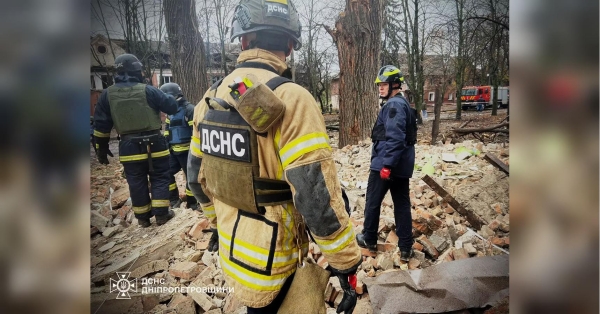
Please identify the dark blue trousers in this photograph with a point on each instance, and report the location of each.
(376, 191)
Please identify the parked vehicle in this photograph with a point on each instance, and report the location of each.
(471, 94)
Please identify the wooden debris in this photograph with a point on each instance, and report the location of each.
(494, 129)
(496, 162)
(471, 217)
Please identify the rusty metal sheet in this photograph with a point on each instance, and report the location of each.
(451, 286)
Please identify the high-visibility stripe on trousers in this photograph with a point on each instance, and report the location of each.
(137, 174)
(177, 162)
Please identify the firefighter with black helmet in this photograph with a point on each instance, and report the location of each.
(178, 132)
(261, 151)
(133, 109)
(392, 162)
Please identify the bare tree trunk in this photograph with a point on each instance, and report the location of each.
(357, 35)
(186, 47)
(435, 130)
(460, 60)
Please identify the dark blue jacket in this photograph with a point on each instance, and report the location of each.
(389, 139)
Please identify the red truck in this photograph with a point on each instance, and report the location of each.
(471, 95)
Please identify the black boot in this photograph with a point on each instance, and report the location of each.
(406, 255)
(175, 203)
(162, 219)
(213, 243)
(144, 223)
(360, 238)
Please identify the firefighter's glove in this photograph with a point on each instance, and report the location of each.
(102, 153)
(385, 173)
(213, 244)
(349, 300)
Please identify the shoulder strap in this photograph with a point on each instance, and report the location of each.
(277, 81)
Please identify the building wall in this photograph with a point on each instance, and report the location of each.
(335, 102)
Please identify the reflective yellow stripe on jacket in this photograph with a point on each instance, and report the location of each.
(302, 145)
(172, 186)
(258, 256)
(195, 145)
(209, 212)
(339, 242)
(143, 156)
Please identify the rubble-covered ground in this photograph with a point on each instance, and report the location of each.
(174, 255)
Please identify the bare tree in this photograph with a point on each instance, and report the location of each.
(357, 35)
(460, 55)
(138, 23)
(187, 47)
(223, 11)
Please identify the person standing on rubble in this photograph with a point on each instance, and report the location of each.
(269, 167)
(133, 109)
(178, 132)
(392, 162)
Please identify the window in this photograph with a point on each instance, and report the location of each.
(450, 96)
(101, 49)
(469, 92)
(165, 79)
(107, 81)
(431, 96)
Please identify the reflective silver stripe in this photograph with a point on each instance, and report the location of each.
(339, 243)
(313, 142)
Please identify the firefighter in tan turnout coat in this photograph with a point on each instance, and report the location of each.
(268, 167)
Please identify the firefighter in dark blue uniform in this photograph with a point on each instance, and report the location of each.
(179, 134)
(133, 108)
(392, 163)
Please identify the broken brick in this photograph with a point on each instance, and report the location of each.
(459, 254)
(413, 263)
(494, 225)
(366, 252)
(196, 231)
(185, 270)
(418, 246)
(501, 242)
(359, 288)
(470, 249)
(119, 197)
(428, 247)
(392, 237)
(421, 226)
(201, 245)
(386, 247)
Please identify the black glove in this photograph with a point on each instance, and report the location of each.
(349, 300)
(103, 151)
(213, 244)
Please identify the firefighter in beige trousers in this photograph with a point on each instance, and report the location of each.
(258, 251)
